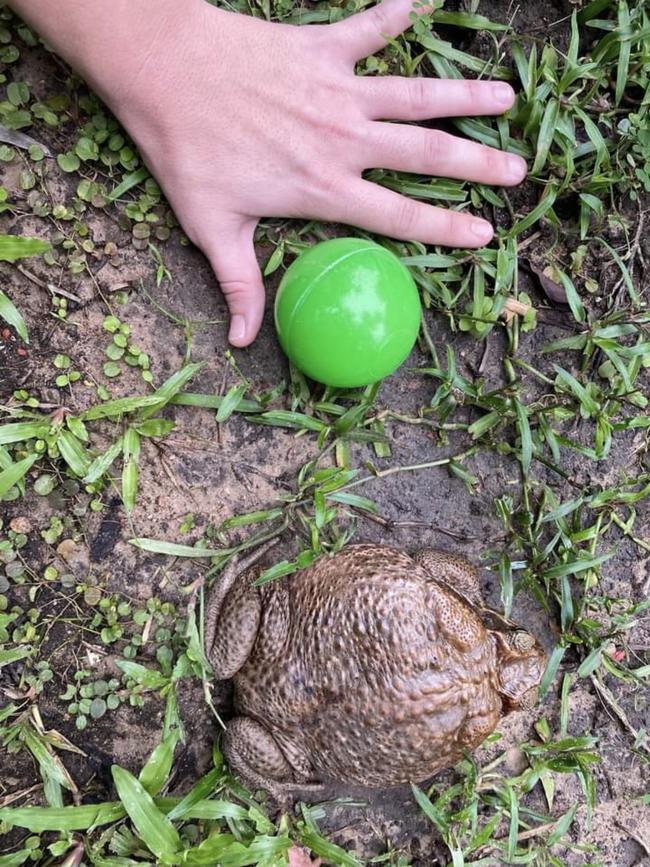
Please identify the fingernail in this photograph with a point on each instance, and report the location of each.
(481, 230)
(503, 94)
(517, 168)
(237, 328)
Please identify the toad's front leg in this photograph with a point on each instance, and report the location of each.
(233, 616)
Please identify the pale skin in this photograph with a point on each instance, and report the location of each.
(240, 119)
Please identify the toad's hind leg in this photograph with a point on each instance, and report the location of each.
(256, 758)
(232, 617)
(453, 570)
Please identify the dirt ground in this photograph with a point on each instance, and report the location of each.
(215, 471)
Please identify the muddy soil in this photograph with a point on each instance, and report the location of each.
(215, 471)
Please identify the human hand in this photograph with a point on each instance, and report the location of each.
(239, 119)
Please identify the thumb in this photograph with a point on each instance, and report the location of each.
(232, 256)
(369, 31)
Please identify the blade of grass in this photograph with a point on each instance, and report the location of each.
(576, 566)
(147, 677)
(81, 818)
(156, 770)
(154, 828)
(573, 299)
(154, 546)
(624, 51)
(543, 207)
(285, 418)
(121, 406)
(40, 819)
(469, 61)
(467, 20)
(332, 853)
(430, 811)
(526, 439)
(355, 501)
(14, 654)
(591, 662)
(10, 313)
(73, 453)
(551, 670)
(14, 247)
(251, 518)
(231, 401)
(171, 387)
(101, 463)
(199, 792)
(22, 430)
(546, 135)
(131, 180)
(130, 482)
(513, 809)
(14, 473)
(562, 826)
(16, 858)
(213, 401)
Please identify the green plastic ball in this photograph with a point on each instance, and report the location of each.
(347, 312)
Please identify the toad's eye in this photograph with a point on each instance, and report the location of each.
(523, 641)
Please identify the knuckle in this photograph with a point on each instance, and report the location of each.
(474, 91)
(380, 20)
(326, 43)
(324, 184)
(417, 96)
(450, 224)
(405, 218)
(330, 183)
(235, 289)
(331, 129)
(435, 146)
(338, 124)
(492, 161)
(320, 189)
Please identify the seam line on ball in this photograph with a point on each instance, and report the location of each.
(319, 277)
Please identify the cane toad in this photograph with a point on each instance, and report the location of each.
(370, 667)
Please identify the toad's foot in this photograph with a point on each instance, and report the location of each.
(255, 757)
(454, 571)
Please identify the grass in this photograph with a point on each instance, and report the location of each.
(558, 414)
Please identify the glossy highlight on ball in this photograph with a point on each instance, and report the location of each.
(347, 312)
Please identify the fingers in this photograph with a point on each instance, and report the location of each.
(395, 98)
(232, 256)
(430, 152)
(364, 33)
(379, 210)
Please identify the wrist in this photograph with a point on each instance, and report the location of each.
(113, 43)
